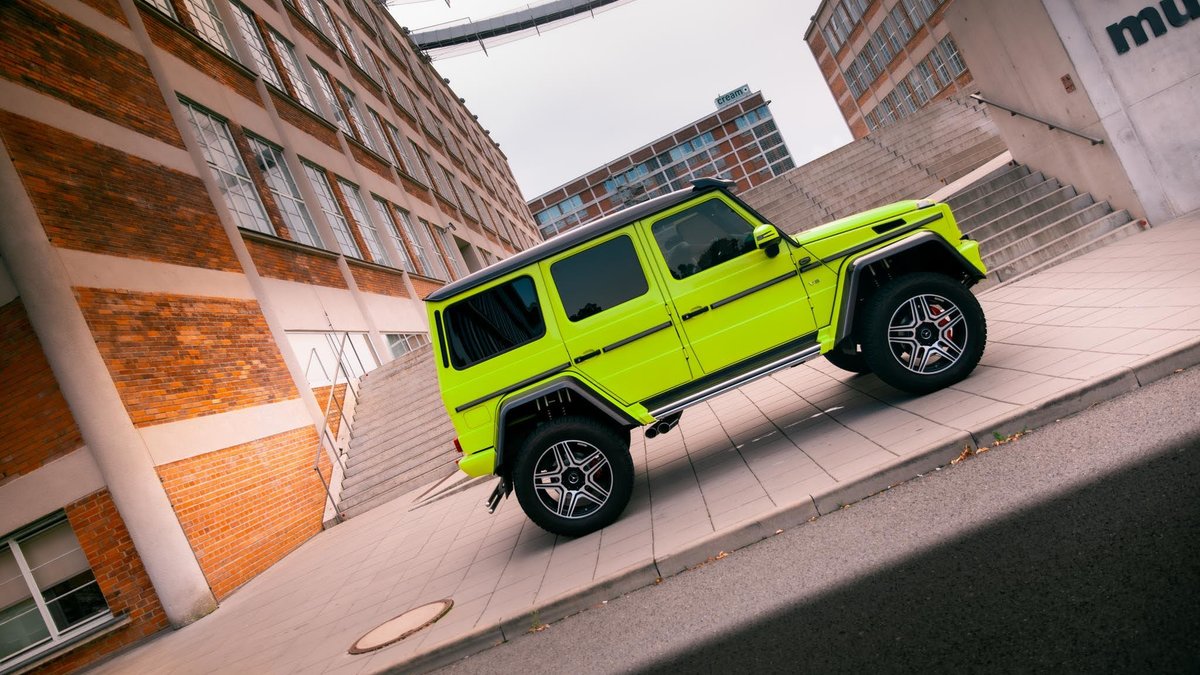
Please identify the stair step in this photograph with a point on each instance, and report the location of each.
(973, 209)
(1128, 229)
(1011, 203)
(988, 184)
(1008, 229)
(1024, 256)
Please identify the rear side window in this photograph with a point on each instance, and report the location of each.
(493, 322)
(599, 278)
(701, 237)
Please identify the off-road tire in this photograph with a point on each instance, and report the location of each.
(923, 332)
(598, 462)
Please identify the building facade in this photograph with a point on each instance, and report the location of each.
(740, 142)
(215, 212)
(885, 59)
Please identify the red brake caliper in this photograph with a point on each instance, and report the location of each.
(936, 310)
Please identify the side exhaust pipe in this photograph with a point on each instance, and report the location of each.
(664, 425)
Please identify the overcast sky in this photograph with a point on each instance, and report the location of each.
(574, 98)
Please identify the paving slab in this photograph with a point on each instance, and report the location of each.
(768, 456)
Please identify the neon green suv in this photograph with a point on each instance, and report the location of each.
(548, 359)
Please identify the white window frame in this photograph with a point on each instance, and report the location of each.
(287, 193)
(385, 214)
(291, 66)
(56, 636)
(333, 213)
(358, 212)
(209, 25)
(223, 158)
(258, 48)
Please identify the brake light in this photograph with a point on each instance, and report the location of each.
(458, 446)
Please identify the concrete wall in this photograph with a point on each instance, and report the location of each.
(1147, 97)
(1021, 50)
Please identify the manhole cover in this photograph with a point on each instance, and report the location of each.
(395, 630)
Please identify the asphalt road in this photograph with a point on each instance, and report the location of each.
(1073, 549)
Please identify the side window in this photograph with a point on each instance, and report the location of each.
(701, 237)
(599, 278)
(493, 322)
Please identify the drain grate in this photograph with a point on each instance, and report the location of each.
(395, 630)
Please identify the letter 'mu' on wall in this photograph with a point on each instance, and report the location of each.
(1135, 25)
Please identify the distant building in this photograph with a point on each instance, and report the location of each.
(885, 59)
(740, 141)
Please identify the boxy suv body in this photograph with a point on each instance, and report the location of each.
(548, 359)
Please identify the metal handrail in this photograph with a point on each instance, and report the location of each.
(1092, 139)
(326, 438)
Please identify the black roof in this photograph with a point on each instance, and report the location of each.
(579, 235)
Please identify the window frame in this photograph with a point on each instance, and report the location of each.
(56, 637)
(554, 268)
(448, 333)
(225, 178)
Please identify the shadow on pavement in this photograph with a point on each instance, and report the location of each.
(1105, 578)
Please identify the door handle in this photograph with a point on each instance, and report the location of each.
(694, 313)
(589, 355)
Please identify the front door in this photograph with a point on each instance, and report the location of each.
(732, 299)
(614, 319)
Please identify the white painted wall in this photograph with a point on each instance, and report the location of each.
(1146, 97)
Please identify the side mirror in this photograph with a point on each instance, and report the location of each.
(766, 238)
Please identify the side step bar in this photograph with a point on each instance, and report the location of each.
(788, 361)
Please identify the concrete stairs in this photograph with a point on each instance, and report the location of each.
(403, 439)
(1025, 222)
(909, 159)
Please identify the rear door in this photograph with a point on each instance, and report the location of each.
(732, 299)
(614, 319)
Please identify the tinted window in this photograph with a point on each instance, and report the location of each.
(599, 278)
(493, 322)
(701, 237)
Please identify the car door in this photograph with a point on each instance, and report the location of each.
(614, 318)
(732, 299)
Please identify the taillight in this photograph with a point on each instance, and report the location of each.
(458, 446)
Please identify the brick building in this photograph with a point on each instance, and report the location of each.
(204, 202)
(740, 141)
(885, 59)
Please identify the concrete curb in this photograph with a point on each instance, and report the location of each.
(893, 473)
(1158, 366)
(1063, 404)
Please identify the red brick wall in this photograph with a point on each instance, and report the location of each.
(38, 426)
(120, 575)
(424, 287)
(174, 357)
(51, 53)
(244, 508)
(110, 8)
(303, 120)
(277, 262)
(91, 197)
(379, 281)
(362, 156)
(334, 415)
(173, 38)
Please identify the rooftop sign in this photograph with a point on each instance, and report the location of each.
(732, 97)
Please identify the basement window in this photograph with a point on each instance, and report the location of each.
(48, 593)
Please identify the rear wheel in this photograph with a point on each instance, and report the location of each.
(574, 476)
(923, 332)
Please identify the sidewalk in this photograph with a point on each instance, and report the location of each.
(768, 456)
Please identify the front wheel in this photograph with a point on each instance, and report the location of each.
(923, 332)
(574, 476)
